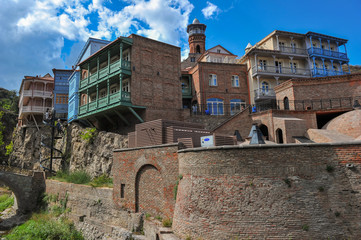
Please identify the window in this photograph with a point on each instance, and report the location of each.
(265, 87)
(122, 188)
(235, 81)
(193, 59)
(215, 106)
(198, 49)
(286, 103)
(125, 86)
(293, 46)
(218, 50)
(102, 93)
(262, 65)
(278, 67)
(282, 46)
(113, 90)
(237, 105)
(293, 67)
(212, 80)
(93, 97)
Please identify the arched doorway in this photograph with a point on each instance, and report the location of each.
(149, 190)
(279, 135)
(264, 131)
(286, 103)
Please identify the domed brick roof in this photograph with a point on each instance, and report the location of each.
(348, 123)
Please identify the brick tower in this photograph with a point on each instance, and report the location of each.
(197, 38)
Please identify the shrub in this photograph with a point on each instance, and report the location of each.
(102, 181)
(78, 177)
(337, 214)
(88, 134)
(43, 226)
(167, 222)
(329, 168)
(321, 189)
(6, 201)
(147, 216)
(305, 227)
(159, 218)
(287, 181)
(9, 148)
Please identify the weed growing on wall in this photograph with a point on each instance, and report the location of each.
(78, 177)
(330, 168)
(102, 181)
(9, 148)
(166, 222)
(88, 135)
(175, 190)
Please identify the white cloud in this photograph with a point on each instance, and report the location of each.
(32, 36)
(210, 10)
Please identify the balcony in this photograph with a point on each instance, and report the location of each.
(96, 106)
(320, 72)
(327, 53)
(291, 50)
(264, 94)
(104, 72)
(280, 71)
(32, 109)
(36, 93)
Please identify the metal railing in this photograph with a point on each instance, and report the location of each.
(325, 72)
(292, 50)
(325, 52)
(281, 70)
(310, 104)
(219, 110)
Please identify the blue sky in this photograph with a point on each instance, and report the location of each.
(39, 35)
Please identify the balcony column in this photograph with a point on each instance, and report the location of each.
(98, 67)
(120, 54)
(277, 80)
(348, 65)
(97, 101)
(345, 48)
(337, 47)
(333, 71)
(88, 74)
(258, 85)
(274, 63)
(341, 67)
(314, 65)
(87, 100)
(120, 86)
(311, 43)
(107, 91)
(291, 63)
(329, 46)
(323, 65)
(278, 43)
(108, 61)
(321, 46)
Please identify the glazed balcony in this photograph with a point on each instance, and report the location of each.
(114, 100)
(320, 52)
(264, 94)
(110, 70)
(280, 71)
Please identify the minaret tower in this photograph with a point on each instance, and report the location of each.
(197, 38)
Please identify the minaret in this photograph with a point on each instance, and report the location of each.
(197, 38)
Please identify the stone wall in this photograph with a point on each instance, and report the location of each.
(278, 192)
(144, 179)
(93, 211)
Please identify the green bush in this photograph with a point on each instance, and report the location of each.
(44, 226)
(6, 201)
(102, 181)
(88, 134)
(9, 148)
(167, 222)
(175, 189)
(78, 177)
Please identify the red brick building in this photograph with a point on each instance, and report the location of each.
(211, 79)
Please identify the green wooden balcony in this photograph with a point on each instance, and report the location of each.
(101, 75)
(115, 99)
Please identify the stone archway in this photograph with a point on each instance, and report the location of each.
(149, 192)
(264, 131)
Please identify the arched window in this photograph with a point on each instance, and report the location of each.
(237, 105)
(212, 79)
(279, 135)
(215, 106)
(264, 131)
(286, 103)
(265, 87)
(198, 49)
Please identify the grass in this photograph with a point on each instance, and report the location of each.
(82, 177)
(45, 226)
(167, 222)
(6, 201)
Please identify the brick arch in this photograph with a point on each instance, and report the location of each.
(15, 189)
(149, 191)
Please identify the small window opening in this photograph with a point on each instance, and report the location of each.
(122, 187)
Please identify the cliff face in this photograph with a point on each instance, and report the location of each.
(94, 156)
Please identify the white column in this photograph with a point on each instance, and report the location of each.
(333, 71)
(321, 45)
(345, 48)
(277, 80)
(277, 42)
(258, 85)
(341, 67)
(329, 46)
(255, 61)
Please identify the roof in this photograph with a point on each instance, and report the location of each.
(46, 77)
(319, 35)
(87, 45)
(209, 50)
(62, 70)
(195, 21)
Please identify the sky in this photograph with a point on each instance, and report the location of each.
(39, 35)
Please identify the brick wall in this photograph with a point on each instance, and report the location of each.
(223, 90)
(269, 192)
(155, 78)
(144, 179)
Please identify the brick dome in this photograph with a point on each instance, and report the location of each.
(348, 123)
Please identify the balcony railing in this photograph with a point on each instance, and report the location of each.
(280, 70)
(328, 53)
(299, 51)
(97, 105)
(36, 93)
(33, 109)
(264, 93)
(115, 66)
(316, 72)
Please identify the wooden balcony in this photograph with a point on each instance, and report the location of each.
(293, 51)
(320, 72)
(98, 76)
(280, 71)
(32, 109)
(105, 103)
(320, 52)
